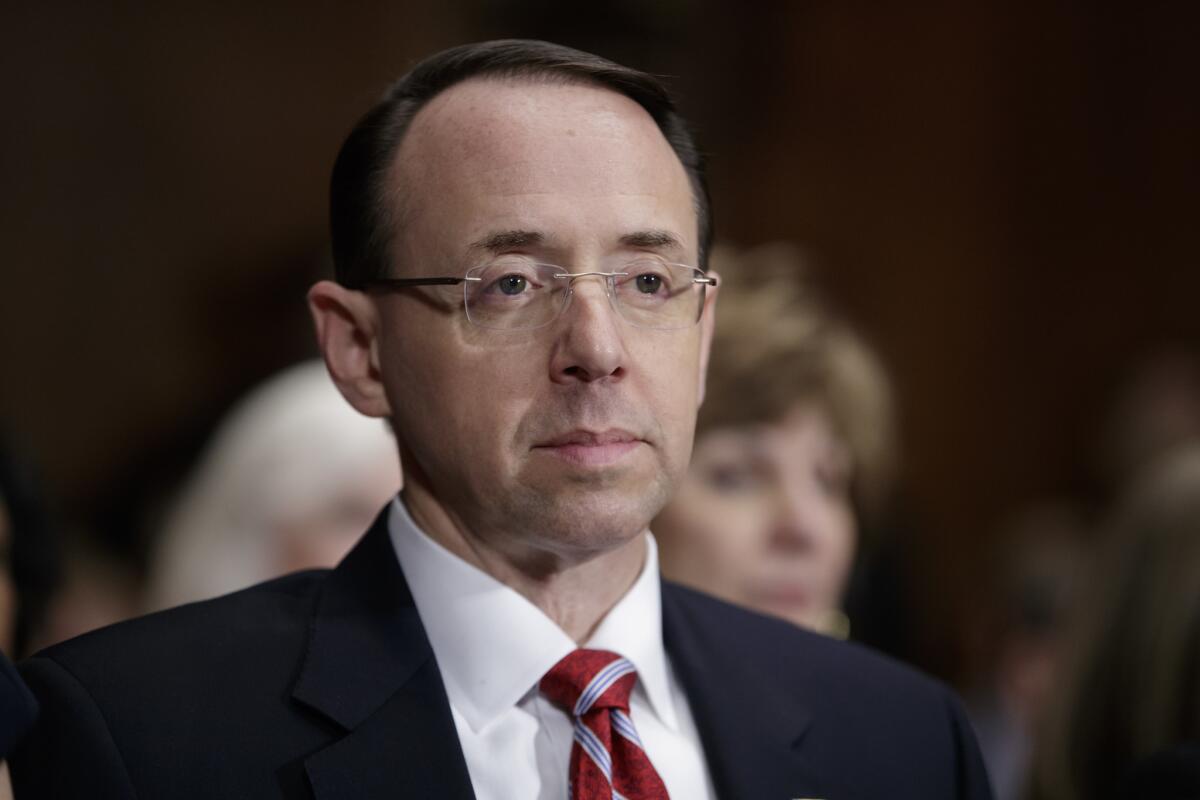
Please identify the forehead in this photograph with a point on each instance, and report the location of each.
(488, 149)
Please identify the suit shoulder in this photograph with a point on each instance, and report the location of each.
(875, 722)
(175, 698)
(248, 621)
(778, 647)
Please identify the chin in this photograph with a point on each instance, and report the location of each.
(597, 521)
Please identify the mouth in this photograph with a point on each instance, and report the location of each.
(591, 448)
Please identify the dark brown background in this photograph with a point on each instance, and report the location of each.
(1003, 196)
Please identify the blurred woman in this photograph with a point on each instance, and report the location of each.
(291, 480)
(794, 444)
(1127, 723)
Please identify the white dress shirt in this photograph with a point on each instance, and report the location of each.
(493, 647)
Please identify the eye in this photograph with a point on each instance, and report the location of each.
(834, 479)
(649, 283)
(731, 476)
(646, 284)
(508, 278)
(512, 284)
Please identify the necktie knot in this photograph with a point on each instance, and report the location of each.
(586, 680)
(607, 759)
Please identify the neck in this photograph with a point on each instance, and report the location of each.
(575, 590)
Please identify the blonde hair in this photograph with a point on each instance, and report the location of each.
(780, 344)
(279, 455)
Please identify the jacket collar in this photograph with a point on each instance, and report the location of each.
(751, 724)
(369, 669)
(365, 638)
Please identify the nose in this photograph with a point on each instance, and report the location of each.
(797, 520)
(590, 345)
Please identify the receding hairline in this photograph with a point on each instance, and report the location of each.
(394, 192)
(362, 222)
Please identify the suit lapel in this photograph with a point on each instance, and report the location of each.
(369, 669)
(750, 726)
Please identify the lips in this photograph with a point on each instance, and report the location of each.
(590, 438)
(591, 448)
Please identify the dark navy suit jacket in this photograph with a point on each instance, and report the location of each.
(323, 684)
(17, 707)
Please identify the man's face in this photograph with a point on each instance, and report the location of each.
(568, 438)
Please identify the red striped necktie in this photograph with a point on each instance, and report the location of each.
(607, 759)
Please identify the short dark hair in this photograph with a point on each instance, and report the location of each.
(360, 219)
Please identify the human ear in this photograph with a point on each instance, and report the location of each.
(347, 332)
(708, 319)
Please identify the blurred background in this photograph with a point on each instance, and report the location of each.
(1001, 196)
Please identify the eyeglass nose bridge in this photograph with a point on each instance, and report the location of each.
(573, 275)
(570, 277)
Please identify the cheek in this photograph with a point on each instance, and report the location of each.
(724, 532)
(461, 400)
(667, 382)
(842, 542)
(683, 369)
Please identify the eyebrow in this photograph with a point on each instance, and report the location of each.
(507, 240)
(651, 239)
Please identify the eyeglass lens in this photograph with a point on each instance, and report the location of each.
(514, 293)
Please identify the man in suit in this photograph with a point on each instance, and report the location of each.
(520, 232)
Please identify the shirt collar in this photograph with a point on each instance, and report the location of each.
(493, 646)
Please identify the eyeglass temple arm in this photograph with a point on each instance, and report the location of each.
(399, 283)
